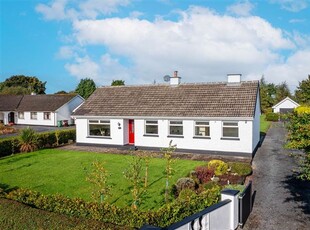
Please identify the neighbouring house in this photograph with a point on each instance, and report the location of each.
(222, 117)
(285, 106)
(47, 110)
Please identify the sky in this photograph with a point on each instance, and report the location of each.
(140, 41)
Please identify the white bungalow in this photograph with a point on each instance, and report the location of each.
(285, 106)
(205, 117)
(46, 110)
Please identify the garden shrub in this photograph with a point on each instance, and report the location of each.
(242, 169)
(272, 117)
(166, 215)
(239, 187)
(209, 185)
(186, 194)
(11, 145)
(185, 183)
(204, 173)
(28, 140)
(220, 167)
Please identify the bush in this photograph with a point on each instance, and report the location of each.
(185, 183)
(166, 215)
(204, 173)
(235, 187)
(220, 167)
(28, 140)
(242, 169)
(11, 145)
(186, 194)
(209, 185)
(272, 117)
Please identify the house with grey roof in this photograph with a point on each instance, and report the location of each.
(217, 117)
(40, 109)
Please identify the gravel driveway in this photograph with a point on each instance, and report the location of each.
(280, 201)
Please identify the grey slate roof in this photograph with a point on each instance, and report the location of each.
(34, 103)
(9, 102)
(42, 102)
(184, 100)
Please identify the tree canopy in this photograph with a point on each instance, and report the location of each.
(117, 82)
(20, 84)
(86, 87)
(302, 93)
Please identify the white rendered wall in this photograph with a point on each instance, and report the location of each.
(188, 142)
(116, 138)
(256, 124)
(5, 118)
(287, 104)
(39, 121)
(65, 111)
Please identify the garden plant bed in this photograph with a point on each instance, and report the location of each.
(56, 171)
(6, 130)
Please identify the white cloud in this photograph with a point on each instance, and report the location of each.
(65, 52)
(292, 5)
(297, 20)
(66, 9)
(53, 11)
(294, 69)
(84, 67)
(241, 8)
(202, 45)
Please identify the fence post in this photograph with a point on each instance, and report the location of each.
(234, 204)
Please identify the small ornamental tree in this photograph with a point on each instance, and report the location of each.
(134, 175)
(299, 137)
(167, 154)
(99, 178)
(28, 140)
(146, 156)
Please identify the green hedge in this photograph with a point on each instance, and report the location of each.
(272, 117)
(165, 216)
(11, 145)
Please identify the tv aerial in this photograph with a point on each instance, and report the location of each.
(166, 78)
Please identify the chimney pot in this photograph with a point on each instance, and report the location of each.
(175, 74)
(175, 80)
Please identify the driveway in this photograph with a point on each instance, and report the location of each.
(37, 128)
(280, 201)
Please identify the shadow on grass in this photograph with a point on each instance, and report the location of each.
(16, 159)
(300, 192)
(6, 188)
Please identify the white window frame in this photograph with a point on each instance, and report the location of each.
(33, 115)
(229, 124)
(50, 115)
(175, 123)
(99, 122)
(21, 115)
(150, 123)
(196, 125)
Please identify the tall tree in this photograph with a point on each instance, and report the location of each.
(61, 92)
(302, 93)
(282, 91)
(267, 94)
(86, 87)
(25, 84)
(117, 82)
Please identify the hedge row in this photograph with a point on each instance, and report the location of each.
(165, 216)
(11, 145)
(272, 117)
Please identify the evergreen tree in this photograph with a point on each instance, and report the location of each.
(86, 87)
(302, 93)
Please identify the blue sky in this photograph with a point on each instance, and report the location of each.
(63, 41)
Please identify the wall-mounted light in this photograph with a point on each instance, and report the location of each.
(119, 125)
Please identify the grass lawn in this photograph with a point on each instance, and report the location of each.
(14, 215)
(264, 125)
(53, 171)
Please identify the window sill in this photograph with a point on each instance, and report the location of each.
(176, 136)
(201, 137)
(99, 137)
(231, 138)
(151, 135)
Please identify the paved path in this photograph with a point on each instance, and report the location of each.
(281, 201)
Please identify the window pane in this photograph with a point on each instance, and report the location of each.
(99, 130)
(104, 122)
(151, 122)
(230, 123)
(176, 130)
(202, 131)
(230, 132)
(93, 121)
(151, 129)
(202, 123)
(176, 122)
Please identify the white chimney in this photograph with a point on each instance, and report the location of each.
(234, 78)
(175, 80)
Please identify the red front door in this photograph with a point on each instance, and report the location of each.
(131, 132)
